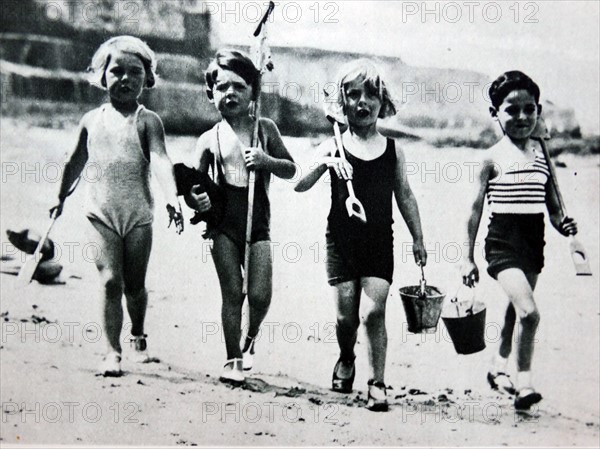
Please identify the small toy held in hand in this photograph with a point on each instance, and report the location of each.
(175, 216)
(192, 182)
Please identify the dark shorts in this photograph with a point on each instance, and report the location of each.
(347, 264)
(515, 241)
(233, 224)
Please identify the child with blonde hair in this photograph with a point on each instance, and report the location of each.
(123, 141)
(360, 255)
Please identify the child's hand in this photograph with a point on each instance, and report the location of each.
(201, 201)
(470, 273)
(255, 158)
(175, 216)
(342, 168)
(568, 226)
(56, 211)
(420, 253)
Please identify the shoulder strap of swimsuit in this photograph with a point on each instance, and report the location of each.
(390, 144)
(217, 158)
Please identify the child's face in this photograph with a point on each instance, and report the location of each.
(231, 94)
(518, 114)
(125, 77)
(362, 103)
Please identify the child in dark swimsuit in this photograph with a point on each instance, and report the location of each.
(231, 85)
(360, 255)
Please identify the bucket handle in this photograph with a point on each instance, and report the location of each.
(422, 283)
(454, 301)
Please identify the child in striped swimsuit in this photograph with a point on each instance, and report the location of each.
(514, 179)
(123, 141)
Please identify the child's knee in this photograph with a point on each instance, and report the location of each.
(347, 296)
(374, 316)
(348, 321)
(530, 318)
(232, 297)
(134, 286)
(134, 291)
(260, 299)
(113, 285)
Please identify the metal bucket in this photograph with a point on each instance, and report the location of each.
(467, 332)
(422, 310)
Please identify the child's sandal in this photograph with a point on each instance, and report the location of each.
(140, 345)
(525, 401)
(377, 401)
(233, 372)
(111, 365)
(340, 384)
(501, 382)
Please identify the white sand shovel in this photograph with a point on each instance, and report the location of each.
(28, 269)
(353, 205)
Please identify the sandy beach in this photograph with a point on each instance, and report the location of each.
(52, 338)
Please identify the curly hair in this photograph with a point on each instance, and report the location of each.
(510, 81)
(123, 44)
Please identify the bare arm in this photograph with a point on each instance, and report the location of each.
(278, 159)
(407, 204)
(162, 166)
(469, 270)
(561, 222)
(76, 161)
(324, 160)
(203, 158)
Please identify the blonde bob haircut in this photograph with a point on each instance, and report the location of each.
(122, 44)
(359, 69)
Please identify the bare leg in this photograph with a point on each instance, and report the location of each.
(138, 244)
(510, 319)
(228, 260)
(110, 267)
(519, 289)
(373, 317)
(260, 285)
(347, 305)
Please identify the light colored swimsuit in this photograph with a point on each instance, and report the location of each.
(117, 172)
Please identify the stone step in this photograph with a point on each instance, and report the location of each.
(183, 107)
(55, 53)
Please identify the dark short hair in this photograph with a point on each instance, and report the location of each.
(509, 81)
(236, 61)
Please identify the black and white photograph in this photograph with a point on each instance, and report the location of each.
(299, 223)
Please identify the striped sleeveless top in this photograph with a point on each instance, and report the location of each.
(519, 189)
